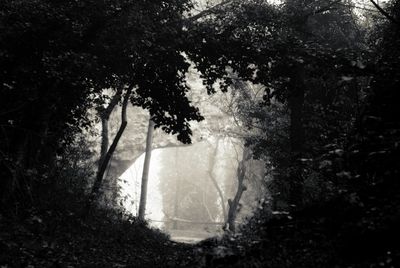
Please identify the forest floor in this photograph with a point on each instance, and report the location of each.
(59, 234)
(64, 238)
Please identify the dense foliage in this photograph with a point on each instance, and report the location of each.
(56, 58)
(327, 130)
(326, 126)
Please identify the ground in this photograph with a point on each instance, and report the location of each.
(50, 238)
(62, 234)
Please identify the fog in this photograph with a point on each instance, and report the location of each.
(182, 195)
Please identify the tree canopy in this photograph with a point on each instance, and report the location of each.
(313, 91)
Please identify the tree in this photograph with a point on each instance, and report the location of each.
(373, 150)
(234, 205)
(146, 167)
(279, 49)
(58, 56)
(104, 114)
(211, 167)
(104, 161)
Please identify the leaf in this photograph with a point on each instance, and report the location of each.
(347, 78)
(360, 64)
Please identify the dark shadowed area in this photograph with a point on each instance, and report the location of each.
(199, 133)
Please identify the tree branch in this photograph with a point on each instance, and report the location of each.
(100, 174)
(325, 8)
(208, 11)
(384, 13)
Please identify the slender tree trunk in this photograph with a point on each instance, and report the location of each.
(105, 116)
(104, 140)
(211, 167)
(296, 135)
(204, 204)
(221, 197)
(296, 103)
(234, 205)
(177, 192)
(146, 169)
(107, 157)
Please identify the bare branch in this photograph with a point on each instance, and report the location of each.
(209, 11)
(384, 13)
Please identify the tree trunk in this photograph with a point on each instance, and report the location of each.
(296, 135)
(146, 169)
(211, 167)
(234, 205)
(295, 105)
(105, 116)
(104, 140)
(107, 157)
(177, 192)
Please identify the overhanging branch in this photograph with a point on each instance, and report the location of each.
(384, 13)
(209, 11)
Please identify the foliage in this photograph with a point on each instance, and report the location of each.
(317, 76)
(356, 224)
(57, 57)
(76, 166)
(327, 127)
(56, 234)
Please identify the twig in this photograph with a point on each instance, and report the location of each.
(384, 13)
